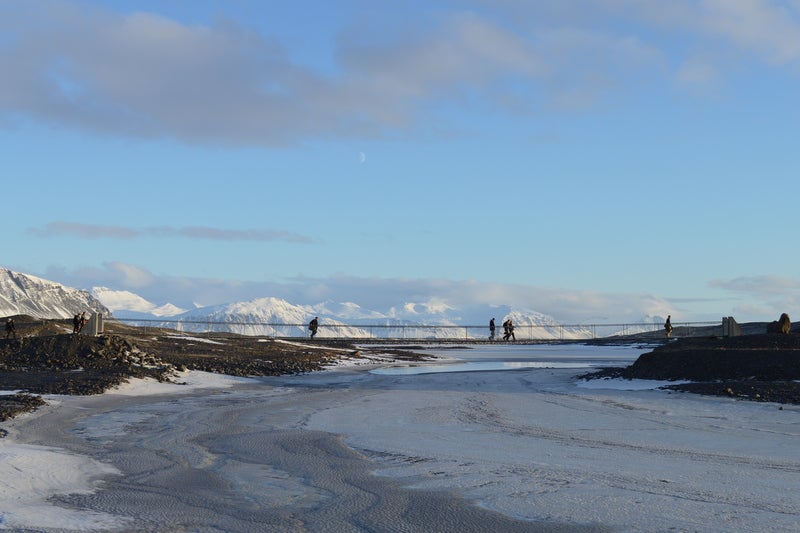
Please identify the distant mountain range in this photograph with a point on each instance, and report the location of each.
(277, 317)
(25, 294)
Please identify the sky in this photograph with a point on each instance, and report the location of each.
(593, 160)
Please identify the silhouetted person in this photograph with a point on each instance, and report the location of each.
(508, 329)
(11, 328)
(668, 326)
(313, 325)
(491, 329)
(76, 323)
(82, 321)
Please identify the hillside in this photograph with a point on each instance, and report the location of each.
(23, 294)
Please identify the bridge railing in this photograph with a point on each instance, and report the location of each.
(422, 332)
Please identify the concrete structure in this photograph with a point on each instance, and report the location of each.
(730, 328)
(94, 326)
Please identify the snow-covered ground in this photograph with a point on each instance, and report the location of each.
(505, 436)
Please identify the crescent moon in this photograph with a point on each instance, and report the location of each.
(362, 157)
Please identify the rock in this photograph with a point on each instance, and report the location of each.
(14, 404)
(757, 357)
(762, 367)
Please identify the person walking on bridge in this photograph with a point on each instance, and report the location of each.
(508, 330)
(511, 331)
(313, 325)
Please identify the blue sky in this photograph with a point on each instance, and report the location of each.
(593, 160)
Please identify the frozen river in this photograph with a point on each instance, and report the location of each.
(502, 438)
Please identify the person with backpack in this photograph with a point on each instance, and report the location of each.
(313, 325)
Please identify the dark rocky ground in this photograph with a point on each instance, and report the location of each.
(759, 367)
(47, 359)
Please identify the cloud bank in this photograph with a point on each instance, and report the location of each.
(226, 83)
(771, 294)
(378, 294)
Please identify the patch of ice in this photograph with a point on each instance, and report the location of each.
(196, 339)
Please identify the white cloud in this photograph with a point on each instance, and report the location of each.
(145, 75)
(758, 285)
(99, 231)
(768, 29)
(729, 35)
(131, 276)
(766, 296)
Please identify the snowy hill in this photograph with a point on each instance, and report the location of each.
(263, 316)
(22, 294)
(125, 304)
(529, 324)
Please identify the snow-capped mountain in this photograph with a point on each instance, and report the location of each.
(23, 294)
(533, 324)
(125, 304)
(263, 316)
(277, 317)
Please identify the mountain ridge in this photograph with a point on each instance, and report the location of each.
(24, 294)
